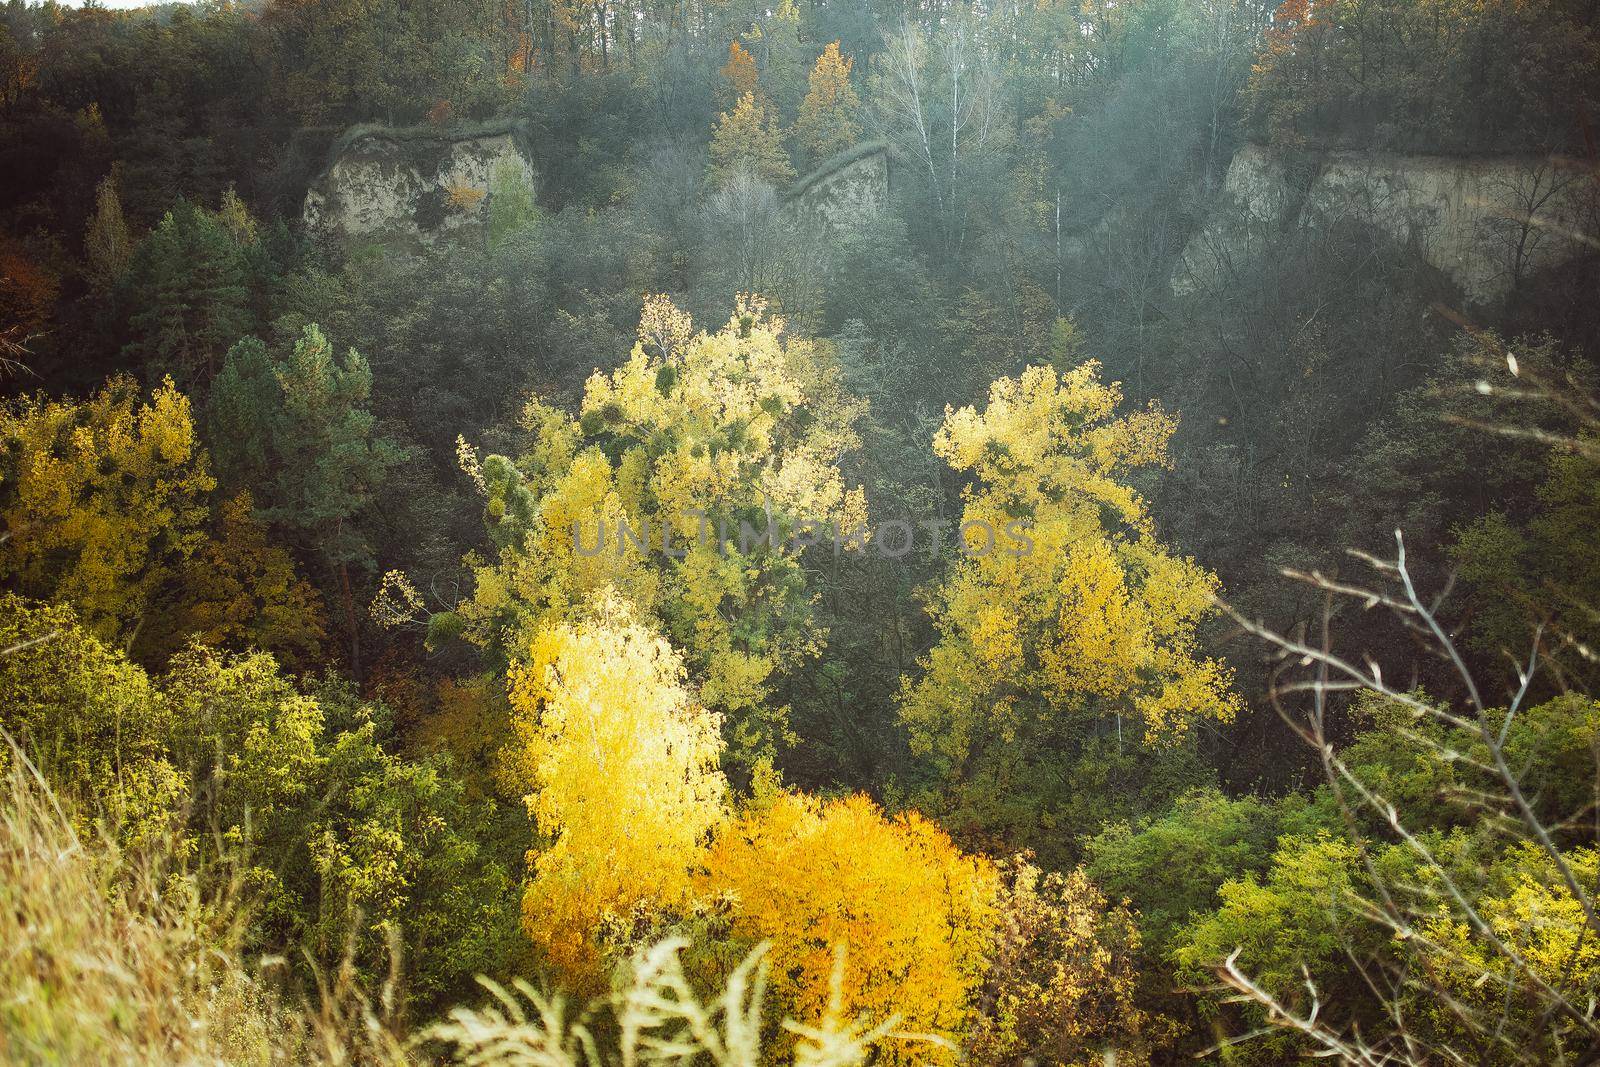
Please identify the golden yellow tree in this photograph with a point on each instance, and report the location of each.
(1067, 608)
(623, 773)
(103, 500)
(827, 122)
(911, 913)
(748, 139)
(710, 449)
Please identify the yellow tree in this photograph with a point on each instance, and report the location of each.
(623, 773)
(748, 138)
(103, 500)
(910, 912)
(827, 122)
(1067, 611)
(683, 485)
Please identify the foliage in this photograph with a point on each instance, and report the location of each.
(1067, 607)
(911, 912)
(740, 71)
(114, 954)
(1169, 867)
(622, 778)
(1427, 76)
(108, 244)
(693, 439)
(297, 426)
(240, 590)
(104, 500)
(336, 843)
(1060, 987)
(827, 121)
(747, 139)
(193, 278)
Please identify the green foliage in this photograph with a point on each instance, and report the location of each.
(339, 843)
(88, 718)
(297, 426)
(191, 281)
(512, 208)
(1170, 866)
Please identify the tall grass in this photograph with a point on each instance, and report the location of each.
(124, 955)
(111, 956)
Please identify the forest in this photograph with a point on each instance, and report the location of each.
(817, 532)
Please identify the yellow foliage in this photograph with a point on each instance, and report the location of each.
(1532, 911)
(103, 500)
(466, 198)
(748, 137)
(241, 591)
(694, 433)
(1092, 614)
(912, 912)
(622, 768)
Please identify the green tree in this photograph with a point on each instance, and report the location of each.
(190, 290)
(297, 425)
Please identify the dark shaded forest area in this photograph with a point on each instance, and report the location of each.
(1170, 440)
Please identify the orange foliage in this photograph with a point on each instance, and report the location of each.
(27, 293)
(740, 70)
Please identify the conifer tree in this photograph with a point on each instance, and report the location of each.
(827, 122)
(300, 427)
(739, 71)
(748, 138)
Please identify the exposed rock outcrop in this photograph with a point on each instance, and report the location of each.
(1484, 223)
(843, 190)
(413, 187)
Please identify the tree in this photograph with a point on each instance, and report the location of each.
(748, 138)
(104, 501)
(107, 245)
(622, 768)
(827, 122)
(690, 484)
(1062, 978)
(28, 290)
(910, 912)
(90, 720)
(240, 591)
(190, 284)
(1066, 614)
(739, 71)
(298, 427)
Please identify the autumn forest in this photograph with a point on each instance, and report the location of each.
(822, 532)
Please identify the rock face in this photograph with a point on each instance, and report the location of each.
(1484, 223)
(844, 190)
(413, 187)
